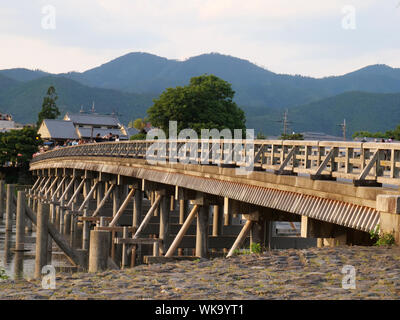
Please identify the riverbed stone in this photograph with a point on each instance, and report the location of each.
(313, 273)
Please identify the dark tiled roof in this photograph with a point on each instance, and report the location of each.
(60, 129)
(92, 119)
(87, 132)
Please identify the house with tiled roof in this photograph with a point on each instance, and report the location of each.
(82, 126)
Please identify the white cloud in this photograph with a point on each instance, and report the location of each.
(286, 36)
(37, 54)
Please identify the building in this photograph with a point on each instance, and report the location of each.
(57, 130)
(88, 125)
(82, 126)
(7, 123)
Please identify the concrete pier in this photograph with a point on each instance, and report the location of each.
(99, 250)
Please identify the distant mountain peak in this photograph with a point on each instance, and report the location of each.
(375, 68)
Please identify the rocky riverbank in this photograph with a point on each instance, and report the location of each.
(314, 273)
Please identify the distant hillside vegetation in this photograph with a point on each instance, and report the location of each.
(21, 74)
(24, 101)
(362, 111)
(367, 98)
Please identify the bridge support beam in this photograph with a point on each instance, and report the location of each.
(329, 234)
(260, 228)
(202, 229)
(389, 208)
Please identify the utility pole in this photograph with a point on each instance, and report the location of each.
(285, 121)
(344, 127)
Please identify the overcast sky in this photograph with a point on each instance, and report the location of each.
(309, 37)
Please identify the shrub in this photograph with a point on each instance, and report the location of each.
(3, 275)
(255, 248)
(381, 238)
(138, 136)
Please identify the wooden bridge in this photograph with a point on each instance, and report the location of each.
(138, 194)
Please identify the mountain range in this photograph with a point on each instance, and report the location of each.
(368, 98)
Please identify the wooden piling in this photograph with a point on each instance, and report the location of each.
(217, 220)
(100, 192)
(52, 213)
(9, 206)
(202, 232)
(41, 238)
(227, 219)
(156, 249)
(172, 203)
(85, 231)
(67, 223)
(164, 222)
(124, 261)
(133, 256)
(20, 223)
(73, 229)
(61, 215)
(183, 208)
(137, 208)
(2, 197)
(116, 199)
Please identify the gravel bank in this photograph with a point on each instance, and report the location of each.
(279, 274)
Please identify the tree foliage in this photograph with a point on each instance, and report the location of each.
(293, 136)
(139, 124)
(18, 146)
(261, 136)
(390, 134)
(138, 136)
(206, 103)
(49, 107)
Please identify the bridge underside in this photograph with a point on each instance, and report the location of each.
(333, 202)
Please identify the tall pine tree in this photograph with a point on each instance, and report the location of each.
(49, 107)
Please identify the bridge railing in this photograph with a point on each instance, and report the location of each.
(364, 163)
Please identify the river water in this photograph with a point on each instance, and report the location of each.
(19, 265)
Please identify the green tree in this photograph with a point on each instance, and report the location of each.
(18, 146)
(293, 136)
(49, 107)
(261, 136)
(206, 103)
(139, 124)
(393, 134)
